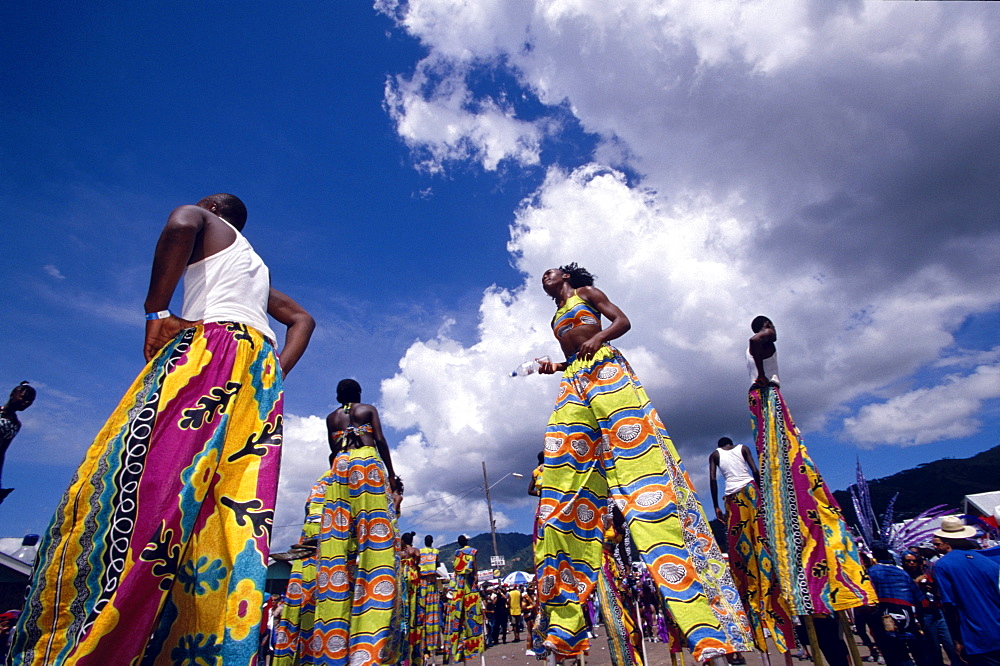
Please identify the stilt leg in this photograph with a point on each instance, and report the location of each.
(813, 641)
(849, 636)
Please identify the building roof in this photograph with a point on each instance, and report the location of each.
(983, 503)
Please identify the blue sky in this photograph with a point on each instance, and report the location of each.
(411, 169)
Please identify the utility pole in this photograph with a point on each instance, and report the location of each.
(489, 507)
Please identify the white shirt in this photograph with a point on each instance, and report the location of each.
(231, 285)
(734, 468)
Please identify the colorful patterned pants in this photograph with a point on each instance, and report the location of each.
(605, 436)
(753, 570)
(156, 553)
(411, 653)
(295, 628)
(466, 624)
(817, 561)
(618, 621)
(355, 595)
(429, 615)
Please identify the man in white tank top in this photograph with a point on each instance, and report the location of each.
(737, 467)
(750, 559)
(160, 545)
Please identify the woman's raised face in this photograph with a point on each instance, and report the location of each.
(552, 278)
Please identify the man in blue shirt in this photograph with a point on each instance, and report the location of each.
(970, 590)
(897, 595)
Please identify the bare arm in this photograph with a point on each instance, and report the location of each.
(382, 447)
(620, 324)
(173, 251)
(713, 464)
(299, 323)
(759, 343)
(551, 367)
(334, 441)
(533, 488)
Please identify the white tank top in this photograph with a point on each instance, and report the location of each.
(231, 285)
(734, 468)
(770, 367)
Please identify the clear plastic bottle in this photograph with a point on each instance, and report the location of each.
(529, 367)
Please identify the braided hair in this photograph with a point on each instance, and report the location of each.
(578, 275)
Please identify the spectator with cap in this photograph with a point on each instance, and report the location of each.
(970, 591)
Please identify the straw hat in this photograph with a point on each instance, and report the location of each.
(953, 527)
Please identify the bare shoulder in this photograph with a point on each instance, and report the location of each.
(364, 410)
(591, 293)
(187, 215)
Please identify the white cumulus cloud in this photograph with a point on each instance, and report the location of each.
(925, 415)
(826, 164)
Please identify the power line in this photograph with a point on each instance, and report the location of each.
(457, 500)
(410, 506)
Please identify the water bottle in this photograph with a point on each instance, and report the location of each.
(529, 367)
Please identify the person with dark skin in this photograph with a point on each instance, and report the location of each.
(397, 495)
(501, 618)
(749, 556)
(409, 559)
(726, 444)
(20, 399)
(535, 482)
(929, 613)
(184, 473)
(357, 547)
(762, 348)
(361, 421)
(817, 562)
(586, 338)
(970, 594)
(192, 234)
(605, 438)
(466, 622)
(618, 612)
(429, 600)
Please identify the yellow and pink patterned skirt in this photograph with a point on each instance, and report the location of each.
(157, 552)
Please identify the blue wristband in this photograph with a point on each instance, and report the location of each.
(162, 314)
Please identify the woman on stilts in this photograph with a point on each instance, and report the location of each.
(356, 612)
(605, 437)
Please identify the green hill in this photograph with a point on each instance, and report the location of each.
(513, 546)
(944, 481)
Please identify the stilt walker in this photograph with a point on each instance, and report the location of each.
(157, 552)
(356, 610)
(466, 619)
(300, 603)
(618, 621)
(817, 561)
(750, 557)
(429, 601)
(604, 438)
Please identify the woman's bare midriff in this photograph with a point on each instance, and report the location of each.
(572, 340)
